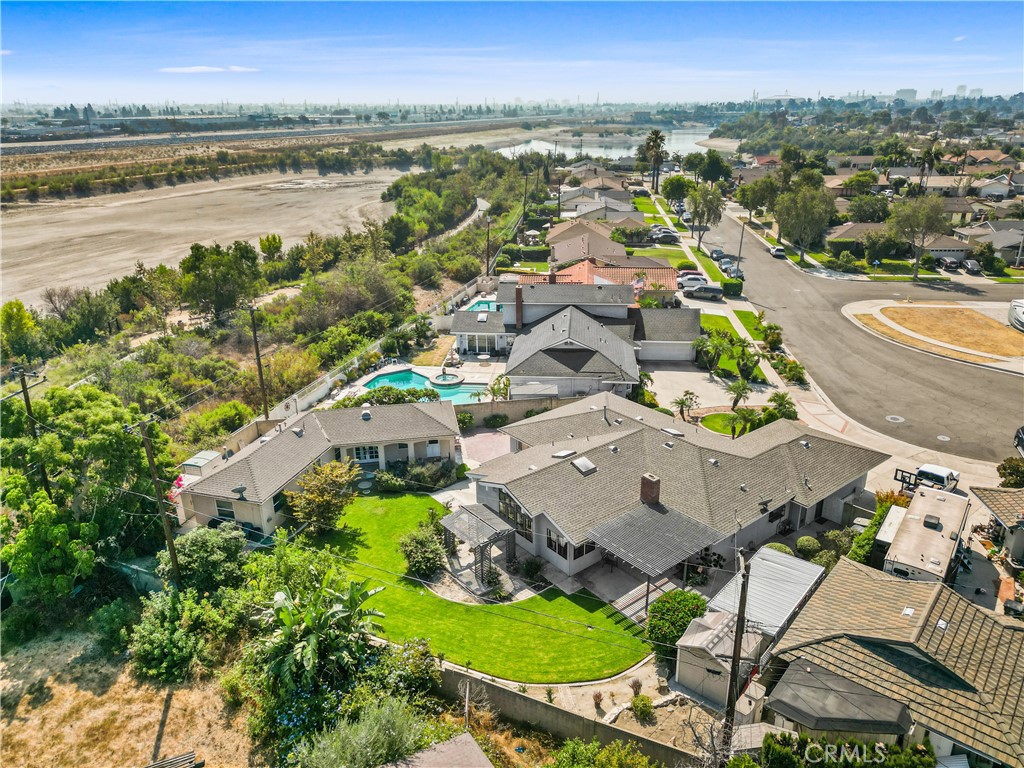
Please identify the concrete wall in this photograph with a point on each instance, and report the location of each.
(514, 409)
(572, 387)
(834, 504)
(519, 707)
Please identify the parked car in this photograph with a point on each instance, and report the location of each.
(935, 476)
(777, 251)
(1016, 314)
(1018, 440)
(716, 254)
(706, 291)
(971, 267)
(667, 238)
(735, 273)
(685, 272)
(948, 263)
(726, 264)
(691, 280)
(640, 192)
(687, 218)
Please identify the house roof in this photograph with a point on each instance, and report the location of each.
(584, 245)
(989, 155)
(569, 229)
(679, 324)
(854, 230)
(565, 295)
(778, 585)
(572, 343)
(605, 182)
(713, 480)
(265, 468)
(958, 667)
(823, 701)
(946, 243)
(469, 321)
(461, 751)
(1005, 503)
(715, 632)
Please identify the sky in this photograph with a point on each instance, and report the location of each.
(418, 52)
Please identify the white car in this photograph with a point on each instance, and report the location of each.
(1016, 315)
(690, 280)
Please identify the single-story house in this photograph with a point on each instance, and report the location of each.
(920, 542)
(609, 186)
(481, 333)
(984, 157)
(523, 305)
(1007, 507)
(585, 245)
(944, 245)
(767, 161)
(1000, 186)
(856, 162)
(249, 486)
(570, 230)
(879, 657)
(604, 475)
(704, 655)
(1006, 236)
(959, 210)
(612, 212)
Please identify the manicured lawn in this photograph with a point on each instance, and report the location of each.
(1007, 279)
(906, 278)
(709, 266)
(749, 321)
(645, 205)
(717, 422)
(551, 637)
(720, 322)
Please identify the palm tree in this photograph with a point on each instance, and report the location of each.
(740, 391)
(783, 405)
(499, 388)
(746, 362)
(929, 158)
(741, 421)
(686, 403)
(654, 145)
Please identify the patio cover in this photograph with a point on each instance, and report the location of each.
(475, 524)
(653, 539)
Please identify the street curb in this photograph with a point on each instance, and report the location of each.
(925, 351)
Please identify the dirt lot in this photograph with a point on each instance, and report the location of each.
(93, 712)
(961, 327)
(872, 322)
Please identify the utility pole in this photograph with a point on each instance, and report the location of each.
(143, 427)
(32, 422)
(737, 650)
(487, 258)
(259, 362)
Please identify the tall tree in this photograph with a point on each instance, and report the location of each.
(692, 163)
(804, 214)
(677, 188)
(868, 208)
(760, 193)
(654, 146)
(324, 493)
(715, 168)
(686, 403)
(917, 220)
(706, 206)
(215, 279)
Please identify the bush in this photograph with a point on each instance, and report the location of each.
(927, 261)
(643, 708)
(826, 558)
(423, 553)
(576, 753)
(535, 412)
(666, 411)
(113, 623)
(807, 547)
(388, 483)
(465, 420)
(732, 287)
(386, 731)
(779, 547)
(839, 541)
(209, 558)
(495, 420)
(669, 617)
(430, 476)
(532, 567)
(167, 644)
(860, 552)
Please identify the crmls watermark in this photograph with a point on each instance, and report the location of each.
(844, 753)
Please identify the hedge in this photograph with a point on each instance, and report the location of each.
(732, 287)
(527, 252)
(495, 420)
(837, 246)
(669, 617)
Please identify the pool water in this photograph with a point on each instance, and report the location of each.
(459, 394)
(483, 305)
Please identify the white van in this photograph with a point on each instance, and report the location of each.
(934, 476)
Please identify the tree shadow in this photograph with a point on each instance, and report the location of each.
(346, 541)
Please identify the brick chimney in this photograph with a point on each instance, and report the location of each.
(519, 307)
(650, 489)
(552, 276)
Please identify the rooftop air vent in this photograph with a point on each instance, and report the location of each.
(614, 449)
(563, 454)
(908, 611)
(297, 431)
(713, 462)
(482, 317)
(584, 466)
(669, 444)
(671, 431)
(932, 521)
(618, 421)
(366, 415)
(805, 444)
(942, 624)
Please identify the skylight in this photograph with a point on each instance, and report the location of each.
(671, 431)
(482, 317)
(563, 454)
(584, 466)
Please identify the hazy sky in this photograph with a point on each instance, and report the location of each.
(436, 52)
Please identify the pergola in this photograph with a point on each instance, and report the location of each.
(481, 529)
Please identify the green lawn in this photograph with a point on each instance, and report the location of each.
(717, 422)
(907, 278)
(720, 322)
(551, 637)
(709, 266)
(536, 266)
(749, 321)
(645, 205)
(1006, 279)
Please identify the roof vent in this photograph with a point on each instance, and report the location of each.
(713, 462)
(563, 454)
(908, 611)
(669, 444)
(618, 421)
(614, 449)
(639, 418)
(671, 431)
(932, 521)
(532, 467)
(366, 415)
(942, 624)
(805, 444)
(297, 431)
(482, 317)
(584, 466)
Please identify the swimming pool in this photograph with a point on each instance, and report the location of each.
(459, 394)
(483, 305)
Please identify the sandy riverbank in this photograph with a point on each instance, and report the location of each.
(87, 242)
(722, 145)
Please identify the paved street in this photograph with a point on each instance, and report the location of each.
(869, 379)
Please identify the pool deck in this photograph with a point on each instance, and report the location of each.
(480, 373)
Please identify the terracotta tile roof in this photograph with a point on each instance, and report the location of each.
(959, 668)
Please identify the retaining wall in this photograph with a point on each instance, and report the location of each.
(540, 715)
(514, 409)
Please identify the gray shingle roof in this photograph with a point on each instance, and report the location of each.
(770, 463)
(566, 294)
(1005, 503)
(265, 468)
(466, 321)
(958, 667)
(572, 343)
(681, 324)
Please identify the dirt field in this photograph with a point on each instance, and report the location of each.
(961, 327)
(872, 322)
(91, 711)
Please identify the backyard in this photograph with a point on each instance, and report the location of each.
(551, 637)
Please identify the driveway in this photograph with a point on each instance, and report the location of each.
(927, 401)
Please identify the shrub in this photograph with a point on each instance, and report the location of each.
(927, 261)
(534, 412)
(807, 547)
(839, 541)
(532, 567)
(779, 547)
(167, 643)
(635, 686)
(388, 483)
(465, 420)
(385, 731)
(576, 753)
(669, 617)
(423, 553)
(666, 411)
(209, 558)
(794, 372)
(113, 623)
(732, 287)
(430, 476)
(643, 708)
(826, 558)
(860, 552)
(495, 420)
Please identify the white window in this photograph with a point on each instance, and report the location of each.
(225, 509)
(366, 453)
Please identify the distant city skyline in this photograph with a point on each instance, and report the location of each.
(326, 53)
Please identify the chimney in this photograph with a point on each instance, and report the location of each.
(519, 307)
(552, 277)
(650, 489)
